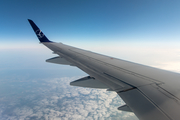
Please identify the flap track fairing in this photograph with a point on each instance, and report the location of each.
(125, 108)
(59, 60)
(89, 82)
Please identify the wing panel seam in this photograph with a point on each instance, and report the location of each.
(154, 104)
(122, 69)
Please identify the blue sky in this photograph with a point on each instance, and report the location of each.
(84, 21)
(139, 31)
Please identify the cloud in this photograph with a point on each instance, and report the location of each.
(56, 99)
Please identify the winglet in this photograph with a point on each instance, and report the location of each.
(39, 33)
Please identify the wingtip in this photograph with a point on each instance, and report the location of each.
(38, 32)
(29, 20)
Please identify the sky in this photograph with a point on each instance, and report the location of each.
(145, 32)
(139, 31)
(81, 21)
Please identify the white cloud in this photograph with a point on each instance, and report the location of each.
(64, 102)
(23, 112)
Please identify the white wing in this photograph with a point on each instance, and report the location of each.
(151, 93)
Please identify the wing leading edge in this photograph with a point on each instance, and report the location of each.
(149, 92)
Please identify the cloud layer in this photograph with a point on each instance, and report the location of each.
(55, 99)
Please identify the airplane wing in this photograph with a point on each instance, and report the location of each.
(151, 93)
